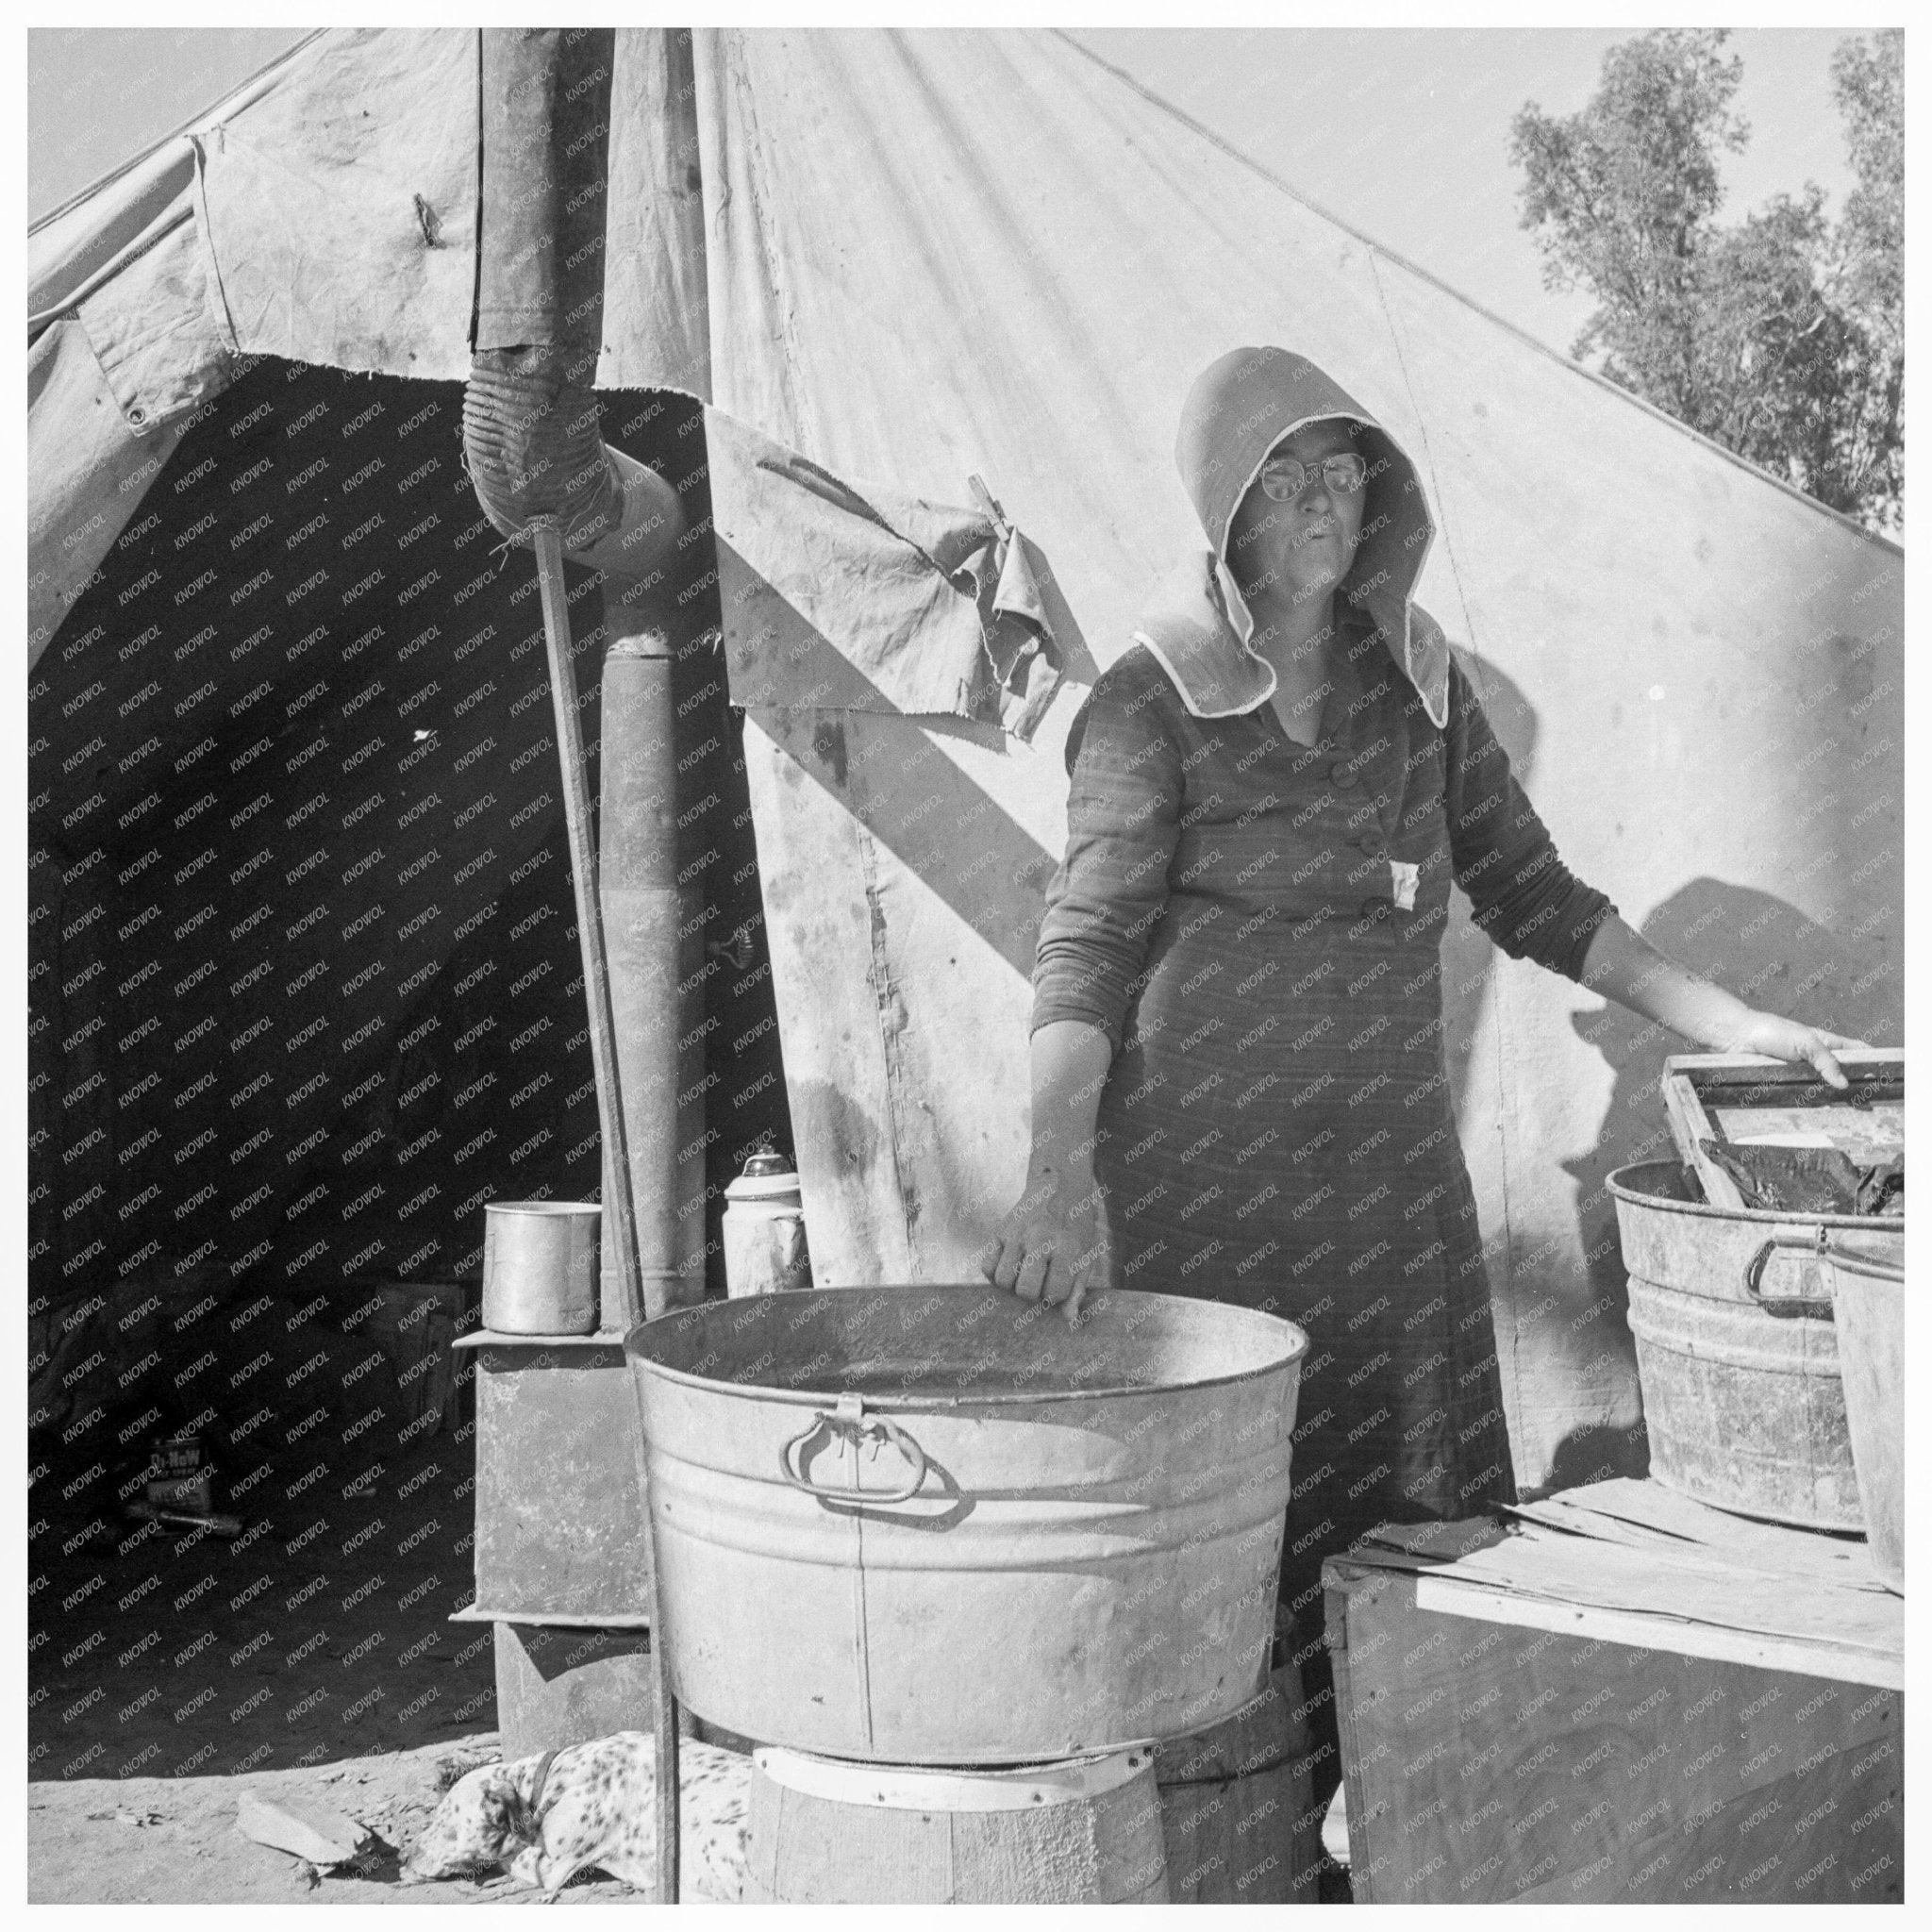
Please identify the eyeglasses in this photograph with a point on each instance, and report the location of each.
(1283, 480)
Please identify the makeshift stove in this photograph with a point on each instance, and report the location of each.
(562, 1558)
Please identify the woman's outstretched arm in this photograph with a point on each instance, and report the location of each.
(1623, 966)
(1122, 820)
(1070, 1059)
(1052, 1243)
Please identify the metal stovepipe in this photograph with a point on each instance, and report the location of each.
(544, 474)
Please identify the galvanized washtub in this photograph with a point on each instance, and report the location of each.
(936, 1526)
(1737, 1352)
(1868, 1306)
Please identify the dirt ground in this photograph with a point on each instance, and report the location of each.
(311, 1656)
(169, 1840)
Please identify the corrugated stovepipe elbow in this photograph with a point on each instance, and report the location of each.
(534, 448)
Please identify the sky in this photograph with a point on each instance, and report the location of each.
(1400, 133)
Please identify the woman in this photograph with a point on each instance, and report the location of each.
(1239, 1088)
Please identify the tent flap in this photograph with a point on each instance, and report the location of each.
(153, 330)
(87, 474)
(110, 383)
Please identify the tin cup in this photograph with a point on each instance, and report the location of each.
(539, 1267)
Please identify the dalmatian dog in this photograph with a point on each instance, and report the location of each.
(544, 1819)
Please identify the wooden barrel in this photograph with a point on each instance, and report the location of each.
(1237, 1805)
(826, 1831)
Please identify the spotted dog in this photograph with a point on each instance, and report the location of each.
(544, 1819)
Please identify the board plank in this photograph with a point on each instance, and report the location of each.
(1651, 1514)
(1866, 1135)
(1874, 1068)
(1849, 1628)
(1689, 1128)
(1794, 1655)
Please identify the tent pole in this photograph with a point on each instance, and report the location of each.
(547, 539)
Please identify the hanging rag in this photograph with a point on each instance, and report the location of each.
(865, 597)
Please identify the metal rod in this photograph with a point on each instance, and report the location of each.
(547, 541)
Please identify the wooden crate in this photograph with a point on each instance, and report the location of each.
(1625, 1697)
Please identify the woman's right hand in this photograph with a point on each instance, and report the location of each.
(1052, 1245)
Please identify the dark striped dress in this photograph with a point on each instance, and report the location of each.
(1277, 1129)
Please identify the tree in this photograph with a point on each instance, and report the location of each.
(1780, 337)
(1870, 256)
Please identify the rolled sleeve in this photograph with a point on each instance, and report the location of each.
(1521, 892)
(1123, 822)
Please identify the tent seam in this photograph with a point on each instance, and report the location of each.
(220, 313)
(1435, 281)
(1423, 428)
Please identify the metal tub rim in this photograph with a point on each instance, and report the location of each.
(914, 1400)
(1624, 1189)
(1874, 1267)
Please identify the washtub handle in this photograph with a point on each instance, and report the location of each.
(850, 1421)
(1786, 1307)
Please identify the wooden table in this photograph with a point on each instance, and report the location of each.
(1619, 1694)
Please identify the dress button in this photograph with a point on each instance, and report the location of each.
(1372, 844)
(1341, 776)
(1374, 909)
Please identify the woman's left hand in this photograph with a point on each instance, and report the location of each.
(1788, 1040)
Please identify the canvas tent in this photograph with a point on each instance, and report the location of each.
(909, 258)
